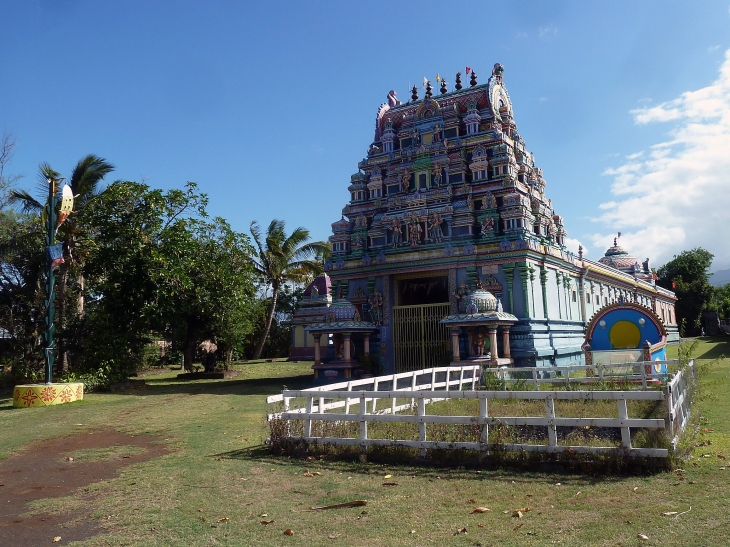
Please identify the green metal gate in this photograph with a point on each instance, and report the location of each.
(419, 340)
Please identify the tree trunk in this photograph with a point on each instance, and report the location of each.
(189, 349)
(80, 299)
(265, 334)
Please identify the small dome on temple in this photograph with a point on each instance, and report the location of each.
(321, 286)
(483, 300)
(617, 257)
(343, 310)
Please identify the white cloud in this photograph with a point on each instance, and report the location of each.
(713, 48)
(676, 197)
(634, 156)
(573, 245)
(549, 30)
(543, 99)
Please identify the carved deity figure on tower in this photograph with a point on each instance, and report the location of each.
(434, 227)
(415, 231)
(461, 295)
(416, 136)
(490, 202)
(437, 133)
(405, 180)
(361, 222)
(487, 226)
(393, 99)
(470, 202)
(357, 242)
(397, 232)
(436, 176)
(376, 307)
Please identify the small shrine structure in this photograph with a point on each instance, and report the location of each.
(448, 198)
(342, 323)
(478, 326)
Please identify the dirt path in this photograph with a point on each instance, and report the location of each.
(42, 470)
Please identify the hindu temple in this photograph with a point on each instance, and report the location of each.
(447, 207)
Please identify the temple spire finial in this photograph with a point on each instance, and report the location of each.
(458, 81)
(444, 89)
(473, 80)
(414, 93)
(429, 90)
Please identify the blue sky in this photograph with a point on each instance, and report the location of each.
(270, 106)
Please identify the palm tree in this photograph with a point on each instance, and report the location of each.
(281, 259)
(85, 181)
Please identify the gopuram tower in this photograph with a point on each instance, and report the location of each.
(449, 202)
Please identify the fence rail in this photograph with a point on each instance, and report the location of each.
(361, 402)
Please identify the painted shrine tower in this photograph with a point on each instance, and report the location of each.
(449, 200)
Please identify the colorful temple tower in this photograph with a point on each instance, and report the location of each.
(449, 201)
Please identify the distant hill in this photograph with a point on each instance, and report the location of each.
(720, 277)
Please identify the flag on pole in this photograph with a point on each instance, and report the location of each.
(425, 81)
(468, 70)
(438, 77)
(619, 234)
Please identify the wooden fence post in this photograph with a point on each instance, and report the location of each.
(483, 413)
(308, 420)
(413, 387)
(552, 430)
(375, 388)
(623, 414)
(363, 423)
(394, 387)
(422, 425)
(347, 401)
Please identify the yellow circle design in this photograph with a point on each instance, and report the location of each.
(624, 334)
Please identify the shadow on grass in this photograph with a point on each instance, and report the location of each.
(515, 472)
(519, 470)
(250, 386)
(720, 349)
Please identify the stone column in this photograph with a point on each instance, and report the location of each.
(543, 282)
(505, 342)
(509, 275)
(317, 357)
(366, 344)
(455, 344)
(346, 347)
(493, 344)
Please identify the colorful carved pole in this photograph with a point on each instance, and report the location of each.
(51, 257)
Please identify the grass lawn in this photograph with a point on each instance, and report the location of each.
(220, 469)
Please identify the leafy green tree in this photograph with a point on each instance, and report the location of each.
(22, 293)
(282, 259)
(687, 275)
(158, 265)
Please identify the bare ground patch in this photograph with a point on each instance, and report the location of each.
(58, 468)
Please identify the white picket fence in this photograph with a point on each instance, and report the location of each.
(333, 403)
(678, 400)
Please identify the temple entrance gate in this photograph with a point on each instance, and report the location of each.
(418, 338)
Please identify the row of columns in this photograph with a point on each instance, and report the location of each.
(346, 339)
(492, 331)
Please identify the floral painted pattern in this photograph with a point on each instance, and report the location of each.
(29, 397)
(48, 394)
(66, 395)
